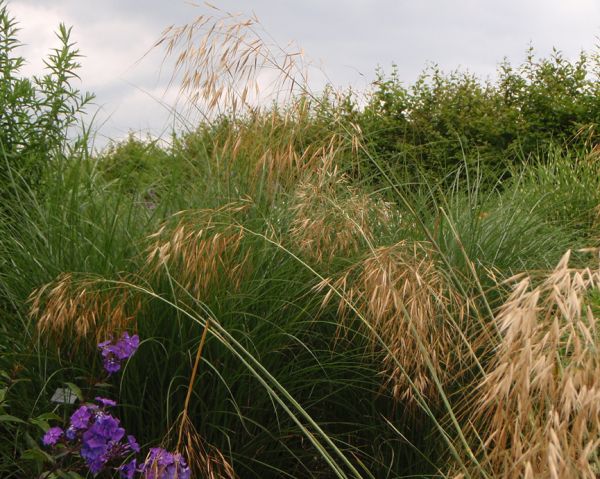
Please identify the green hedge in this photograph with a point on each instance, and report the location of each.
(444, 119)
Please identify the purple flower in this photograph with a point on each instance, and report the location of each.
(127, 471)
(97, 436)
(71, 433)
(161, 464)
(100, 441)
(52, 436)
(105, 402)
(128, 345)
(133, 444)
(81, 418)
(114, 353)
(112, 365)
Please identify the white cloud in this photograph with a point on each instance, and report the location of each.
(111, 49)
(37, 26)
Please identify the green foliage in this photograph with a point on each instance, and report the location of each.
(275, 315)
(568, 187)
(287, 386)
(36, 113)
(444, 119)
(137, 165)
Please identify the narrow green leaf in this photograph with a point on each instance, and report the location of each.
(76, 390)
(10, 418)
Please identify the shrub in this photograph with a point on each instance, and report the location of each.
(136, 165)
(35, 113)
(445, 118)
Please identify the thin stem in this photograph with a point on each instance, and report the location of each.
(191, 383)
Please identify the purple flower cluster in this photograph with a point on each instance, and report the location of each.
(101, 441)
(52, 436)
(114, 353)
(161, 464)
(97, 435)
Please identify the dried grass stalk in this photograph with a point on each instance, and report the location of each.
(205, 460)
(226, 64)
(76, 309)
(539, 405)
(333, 218)
(200, 251)
(222, 61)
(272, 152)
(400, 290)
(283, 165)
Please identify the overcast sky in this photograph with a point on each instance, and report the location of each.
(347, 38)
